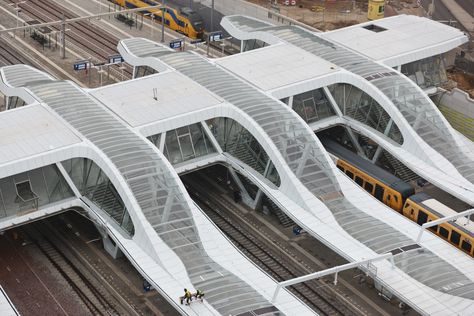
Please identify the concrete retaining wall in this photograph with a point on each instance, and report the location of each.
(231, 7)
(458, 100)
(458, 108)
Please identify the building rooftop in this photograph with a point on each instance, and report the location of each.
(31, 130)
(398, 40)
(276, 66)
(175, 95)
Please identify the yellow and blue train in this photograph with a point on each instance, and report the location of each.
(401, 197)
(185, 20)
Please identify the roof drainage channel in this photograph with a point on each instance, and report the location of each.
(296, 145)
(155, 188)
(416, 107)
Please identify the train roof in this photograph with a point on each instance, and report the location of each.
(187, 10)
(441, 210)
(366, 166)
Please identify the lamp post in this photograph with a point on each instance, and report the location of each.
(17, 11)
(212, 16)
(152, 17)
(163, 22)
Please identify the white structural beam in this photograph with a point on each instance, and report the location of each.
(68, 179)
(329, 271)
(443, 220)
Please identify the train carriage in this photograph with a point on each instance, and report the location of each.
(400, 196)
(422, 208)
(387, 188)
(185, 20)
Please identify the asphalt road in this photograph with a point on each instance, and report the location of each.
(442, 13)
(467, 5)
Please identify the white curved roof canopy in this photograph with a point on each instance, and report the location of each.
(431, 135)
(311, 181)
(155, 195)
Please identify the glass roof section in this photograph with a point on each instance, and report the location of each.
(155, 188)
(413, 104)
(305, 158)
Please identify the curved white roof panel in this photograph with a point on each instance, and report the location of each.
(278, 65)
(175, 95)
(32, 130)
(399, 39)
(156, 196)
(312, 181)
(400, 94)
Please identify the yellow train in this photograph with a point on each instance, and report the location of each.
(422, 208)
(387, 188)
(185, 20)
(400, 196)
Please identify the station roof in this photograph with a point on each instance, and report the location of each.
(6, 306)
(176, 95)
(156, 201)
(31, 130)
(398, 40)
(353, 213)
(276, 66)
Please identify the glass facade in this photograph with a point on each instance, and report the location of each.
(428, 72)
(358, 105)
(302, 154)
(252, 44)
(28, 191)
(92, 182)
(313, 106)
(155, 187)
(143, 71)
(240, 143)
(185, 143)
(420, 113)
(15, 102)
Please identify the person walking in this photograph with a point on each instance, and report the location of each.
(199, 295)
(187, 296)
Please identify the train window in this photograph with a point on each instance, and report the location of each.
(350, 174)
(359, 181)
(466, 246)
(422, 218)
(407, 205)
(433, 228)
(396, 198)
(379, 191)
(340, 168)
(455, 237)
(443, 232)
(368, 187)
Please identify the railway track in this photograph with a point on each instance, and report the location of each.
(9, 56)
(95, 298)
(314, 293)
(85, 37)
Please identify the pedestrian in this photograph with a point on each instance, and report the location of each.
(187, 296)
(199, 295)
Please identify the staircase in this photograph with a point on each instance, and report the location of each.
(248, 156)
(105, 197)
(285, 221)
(400, 170)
